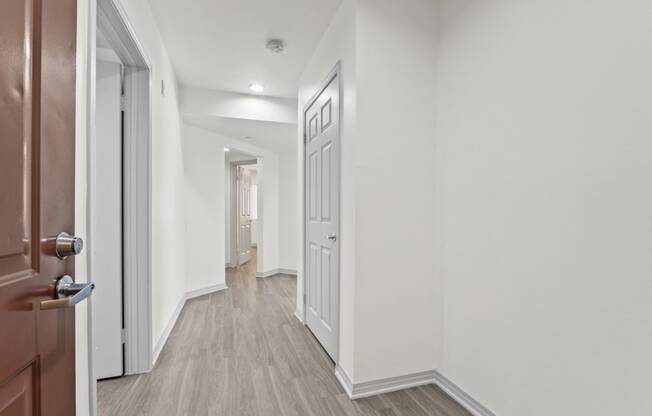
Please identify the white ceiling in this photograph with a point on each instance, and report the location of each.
(234, 154)
(277, 137)
(220, 44)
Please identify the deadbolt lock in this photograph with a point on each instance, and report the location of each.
(67, 245)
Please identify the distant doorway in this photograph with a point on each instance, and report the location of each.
(246, 187)
(242, 209)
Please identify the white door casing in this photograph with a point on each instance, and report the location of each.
(106, 223)
(322, 190)
(109, 18)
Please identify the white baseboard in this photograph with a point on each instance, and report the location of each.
(298, 315)
(158, 347)
(386, 385)
(372, 388)
(344, 380)
(205, 291)
(461, 397)
(274, 272)
(175, 316)
(267, 273)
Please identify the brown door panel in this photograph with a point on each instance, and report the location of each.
(37, 193)
(19, 396)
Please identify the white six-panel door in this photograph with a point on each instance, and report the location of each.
(322, 216)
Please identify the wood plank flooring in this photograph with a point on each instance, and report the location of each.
(242, 352)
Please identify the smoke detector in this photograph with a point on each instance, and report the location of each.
(276, 45)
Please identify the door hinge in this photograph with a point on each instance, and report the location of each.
(123, 336)
(123, 103)
(304, 298)
(305, 138)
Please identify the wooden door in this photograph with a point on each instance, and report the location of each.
(322, 216)
(244, 215)
(37, 151)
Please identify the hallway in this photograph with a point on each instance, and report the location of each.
(242, 352)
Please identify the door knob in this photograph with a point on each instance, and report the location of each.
(332, 237)
(68, 293)
(67, 245)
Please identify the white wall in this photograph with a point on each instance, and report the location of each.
(288, 243)
(397, 295)
(337, 44)
(235, 105)
(544, 114)
(388, 291)
(205, 189)
(268, 187)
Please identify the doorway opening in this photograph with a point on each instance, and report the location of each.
(106, 213)
(242, 213)
(119, 197)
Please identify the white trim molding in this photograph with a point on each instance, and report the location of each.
(205, 291)
(460, 396)
(167, 331)
(299, 316)
(372, 388)
(274, 272)
(345, 381)
(385, 385)
(177, 312)
(269, 273)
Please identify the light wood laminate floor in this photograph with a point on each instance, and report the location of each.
(242, 352)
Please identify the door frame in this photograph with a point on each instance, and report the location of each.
(233, 217)
(109, 17)
(335, 72)
(137, 189)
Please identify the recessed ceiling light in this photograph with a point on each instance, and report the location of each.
(226, 149)
(256, 87)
